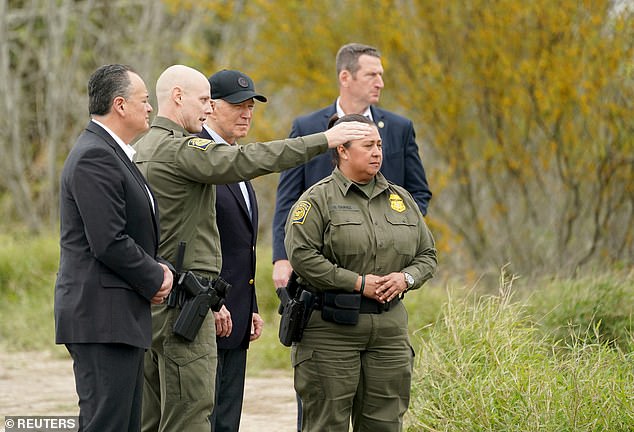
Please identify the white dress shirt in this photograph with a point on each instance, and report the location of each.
(129, 151)
(243, 187)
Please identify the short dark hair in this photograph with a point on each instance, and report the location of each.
(105, 84)
(348, 56)
(335, 120)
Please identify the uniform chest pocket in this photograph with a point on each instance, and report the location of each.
(404, 230)
(347, 235)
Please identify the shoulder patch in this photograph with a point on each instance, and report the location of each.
(199, 143)
(396, 202)
(301, 211)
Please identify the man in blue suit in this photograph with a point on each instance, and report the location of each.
(360, 82)
(238, 322)
(360, 74)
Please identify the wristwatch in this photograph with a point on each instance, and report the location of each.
(409, 279)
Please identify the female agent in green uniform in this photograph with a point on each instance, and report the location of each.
(358, 242)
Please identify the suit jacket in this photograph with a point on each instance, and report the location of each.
(401, 165)
(238, 236)
(108, 244)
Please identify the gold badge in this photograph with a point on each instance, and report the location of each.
(397, 204)
(300, 212)
(199, 143)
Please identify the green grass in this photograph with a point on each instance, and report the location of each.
(551, 355)
(486, 365)
(596, 309)
(28, 266)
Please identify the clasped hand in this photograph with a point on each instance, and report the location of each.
(166, 286)
(384, 288)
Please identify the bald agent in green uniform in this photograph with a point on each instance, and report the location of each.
(355, 233)
(182, 170)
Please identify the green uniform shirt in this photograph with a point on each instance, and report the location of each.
(335, 232)
(182, 170)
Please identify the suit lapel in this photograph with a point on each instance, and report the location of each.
(93, 127)
(235, 190)
(254, 207)
(237, 193)
(328, 115)
(119, 152)
(379, 119)
(204, 134)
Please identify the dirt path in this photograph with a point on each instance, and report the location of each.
(36, 383)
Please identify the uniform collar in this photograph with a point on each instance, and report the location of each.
(344, 183)
(164, 123)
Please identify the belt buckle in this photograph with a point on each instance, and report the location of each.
(387, 305)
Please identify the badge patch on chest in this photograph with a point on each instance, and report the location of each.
(397, 204)
(199, 143)
(300, 212)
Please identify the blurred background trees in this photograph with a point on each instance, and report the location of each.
(48, 50)
(523, 110)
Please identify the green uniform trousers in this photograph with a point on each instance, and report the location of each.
(361, 373)
(179, 376)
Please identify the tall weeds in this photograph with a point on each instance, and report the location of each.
(485, 365)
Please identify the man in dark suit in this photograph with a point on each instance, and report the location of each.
(360, 82)
(108, 273)
(238, 322)
(360, 76)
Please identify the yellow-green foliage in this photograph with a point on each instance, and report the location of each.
(522, 111)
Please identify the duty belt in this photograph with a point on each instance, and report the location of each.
(369, 306)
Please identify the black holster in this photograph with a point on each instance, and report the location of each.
(291, 322)
(296, 305)
(199, 298)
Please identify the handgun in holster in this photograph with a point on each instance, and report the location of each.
(295, 307)
(195, 296)
(200, 298)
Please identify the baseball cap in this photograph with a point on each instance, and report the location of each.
(233, 86)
